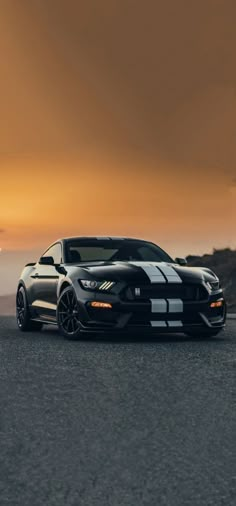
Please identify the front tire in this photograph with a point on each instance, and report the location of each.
(68, 314)
(23, 317)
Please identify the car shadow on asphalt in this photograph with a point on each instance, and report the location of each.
(129, 338)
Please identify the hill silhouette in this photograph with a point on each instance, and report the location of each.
(223, 263)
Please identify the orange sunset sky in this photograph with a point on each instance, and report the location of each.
(118, 117)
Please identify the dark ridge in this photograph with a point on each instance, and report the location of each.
(223, 263)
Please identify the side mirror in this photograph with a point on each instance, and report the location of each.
(181, 261)
(46, 261)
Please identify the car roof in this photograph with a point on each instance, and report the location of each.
(114, 238)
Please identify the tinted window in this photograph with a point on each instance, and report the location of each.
(90, 250)
(55, 252)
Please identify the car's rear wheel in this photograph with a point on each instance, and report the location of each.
(203, 334)
(68, 318)
(23, 317)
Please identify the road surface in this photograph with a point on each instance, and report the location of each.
(116, 423)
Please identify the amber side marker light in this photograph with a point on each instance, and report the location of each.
(104, 305)
(218, 303)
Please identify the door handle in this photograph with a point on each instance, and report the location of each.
(34, 275)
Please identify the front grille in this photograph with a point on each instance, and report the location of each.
(186, 318)
(186, 292)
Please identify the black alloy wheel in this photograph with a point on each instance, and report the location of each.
(68, 314)
(23, 317)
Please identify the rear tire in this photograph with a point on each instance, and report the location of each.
(23, 317)
(68, 314)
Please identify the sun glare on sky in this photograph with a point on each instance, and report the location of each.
(122, 135)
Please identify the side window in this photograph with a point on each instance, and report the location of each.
(148, 254)
(55, 252)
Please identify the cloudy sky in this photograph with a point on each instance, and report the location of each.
(118, 117)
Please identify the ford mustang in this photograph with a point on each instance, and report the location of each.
(108, 284)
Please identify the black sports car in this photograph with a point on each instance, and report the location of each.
(89, 284)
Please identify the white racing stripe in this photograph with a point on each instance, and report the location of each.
(158, 324)
(166, 305)
(175, 305)
(159, 305)
(176, 323)
(109, 238)
(152, 271)
(170, 273)
(162, 324)
(159, 272)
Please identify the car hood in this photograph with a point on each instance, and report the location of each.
(141, 272)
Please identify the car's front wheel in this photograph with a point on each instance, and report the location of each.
(68, 318)
(23, 317)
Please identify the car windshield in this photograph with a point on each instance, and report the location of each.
(111, 250)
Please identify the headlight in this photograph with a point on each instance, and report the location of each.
(96, 285)
(89, 285)
(213, 285)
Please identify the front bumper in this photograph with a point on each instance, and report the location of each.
(136, 316)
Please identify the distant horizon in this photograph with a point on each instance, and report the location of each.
(205, 247)
(13, 261)
(37, 251)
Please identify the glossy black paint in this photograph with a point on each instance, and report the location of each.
(44, 282)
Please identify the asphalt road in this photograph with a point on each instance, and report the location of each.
(148, 422)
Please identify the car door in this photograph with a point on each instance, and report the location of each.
(45, 280)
